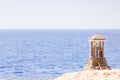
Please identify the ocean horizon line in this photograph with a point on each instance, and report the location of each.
(54, 29)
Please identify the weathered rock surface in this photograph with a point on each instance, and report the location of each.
(92, 75)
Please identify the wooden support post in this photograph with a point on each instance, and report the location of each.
(91, 48)
(102, 48)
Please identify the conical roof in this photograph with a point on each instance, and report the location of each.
(97, 37)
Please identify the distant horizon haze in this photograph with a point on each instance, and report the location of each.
(60, 14)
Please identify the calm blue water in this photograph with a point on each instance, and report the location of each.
(45, 54)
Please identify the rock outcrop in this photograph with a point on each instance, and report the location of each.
(92, 75)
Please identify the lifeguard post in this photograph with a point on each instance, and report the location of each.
(97, 61)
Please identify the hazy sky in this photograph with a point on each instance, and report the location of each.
(59, 14)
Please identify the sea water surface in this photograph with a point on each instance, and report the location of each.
(46, 54)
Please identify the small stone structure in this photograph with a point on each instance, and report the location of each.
(97, 61)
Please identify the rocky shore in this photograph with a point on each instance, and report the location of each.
(92, 75)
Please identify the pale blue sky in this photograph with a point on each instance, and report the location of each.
(59, 14)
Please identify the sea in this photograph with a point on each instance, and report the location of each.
(47, 54)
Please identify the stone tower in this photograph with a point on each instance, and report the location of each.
(96, 61)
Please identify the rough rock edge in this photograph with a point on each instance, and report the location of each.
(92, 75)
